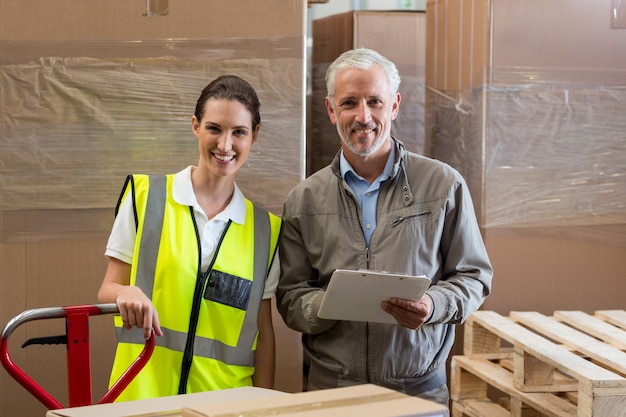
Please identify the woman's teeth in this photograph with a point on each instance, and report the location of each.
(224, 158)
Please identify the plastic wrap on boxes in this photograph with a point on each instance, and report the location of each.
(77, 117)
(539, 147)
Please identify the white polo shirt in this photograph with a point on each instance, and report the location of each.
(121, 244)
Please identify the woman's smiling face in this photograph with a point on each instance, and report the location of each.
(225, 136)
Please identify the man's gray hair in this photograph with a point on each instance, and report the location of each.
(362, 58)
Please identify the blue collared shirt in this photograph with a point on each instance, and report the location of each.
(366, 193)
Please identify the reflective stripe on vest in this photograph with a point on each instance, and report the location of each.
(240, 355)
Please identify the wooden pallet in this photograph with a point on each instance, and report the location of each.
(571, 364)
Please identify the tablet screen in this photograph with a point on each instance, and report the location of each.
(357, 295)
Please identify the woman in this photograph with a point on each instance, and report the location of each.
(189, 257)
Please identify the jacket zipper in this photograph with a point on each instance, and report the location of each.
(403, 218)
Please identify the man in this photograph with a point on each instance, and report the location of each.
(379, 207)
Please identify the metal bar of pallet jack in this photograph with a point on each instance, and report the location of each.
(77, 356)
(15, 371)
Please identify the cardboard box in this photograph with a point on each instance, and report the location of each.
(532, 119)
(362, 400)
(93, 95)
(526, 98)
(401, 37)
(166, 406)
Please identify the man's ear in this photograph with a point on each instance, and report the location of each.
(395, 107)
(331, 111)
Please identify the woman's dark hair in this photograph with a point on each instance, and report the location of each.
(231, 87)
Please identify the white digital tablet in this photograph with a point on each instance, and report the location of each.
(357, 295)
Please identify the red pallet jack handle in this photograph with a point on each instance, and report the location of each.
(78, 355)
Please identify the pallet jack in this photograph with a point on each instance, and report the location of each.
(76, 338)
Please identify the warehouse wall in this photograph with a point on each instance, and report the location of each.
(92, 95)
(105, 90)
(526, 99)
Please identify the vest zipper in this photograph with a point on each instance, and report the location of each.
(195, 308)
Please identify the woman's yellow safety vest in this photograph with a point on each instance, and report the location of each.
(208, 318)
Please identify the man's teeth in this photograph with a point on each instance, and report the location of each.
(363, 131)
(224, 158)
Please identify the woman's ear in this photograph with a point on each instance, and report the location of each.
(195, 125)
(256, 132)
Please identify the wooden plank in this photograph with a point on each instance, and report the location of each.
(534, 375)
(478, 408)
(615, 317)
(547, 403)
(519, 409)
(503, 354)
(594, 378)
(571, 361)
(593, 326)
(479, 340)
(604, 406)
(601, 352)
(465, 385)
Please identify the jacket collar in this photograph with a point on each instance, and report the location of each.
(399, 171)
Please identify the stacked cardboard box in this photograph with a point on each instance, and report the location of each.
(400, 36)
(526, 99)
(167, 406)
(361, 400)
(93, 91)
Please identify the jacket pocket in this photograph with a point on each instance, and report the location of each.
(416, 213)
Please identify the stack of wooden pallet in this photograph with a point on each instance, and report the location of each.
(571, 364)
